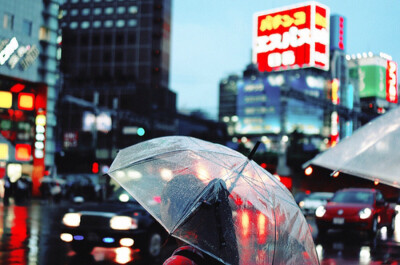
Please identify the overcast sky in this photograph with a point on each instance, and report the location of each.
(211, 39)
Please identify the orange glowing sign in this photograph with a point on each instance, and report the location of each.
(25, 101)
(292, 37)
(23, 152)
(335, 91)
(391, 82)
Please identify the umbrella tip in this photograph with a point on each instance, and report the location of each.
(253, 151)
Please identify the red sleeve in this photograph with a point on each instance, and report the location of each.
(178, 260)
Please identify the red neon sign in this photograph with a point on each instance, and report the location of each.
(341, 33)
(391, 82)
(292, 37)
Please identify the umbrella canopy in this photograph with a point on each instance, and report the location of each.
(216, 200)
(372, 152)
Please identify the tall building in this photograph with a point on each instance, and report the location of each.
(115, 61)
(29, 86)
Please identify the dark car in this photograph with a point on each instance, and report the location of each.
(119, 221)
(359, 209)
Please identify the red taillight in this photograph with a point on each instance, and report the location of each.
(245, 221)
(261, 228)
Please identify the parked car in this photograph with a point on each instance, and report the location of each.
(313, 201)
(119, 221)
(359, 209)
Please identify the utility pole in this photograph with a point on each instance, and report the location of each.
(282, 168)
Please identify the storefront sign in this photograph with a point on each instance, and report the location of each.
(8, 50)
(292, 37)
(12, 53)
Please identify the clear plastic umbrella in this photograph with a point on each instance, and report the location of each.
(372, 152)
(216, 200)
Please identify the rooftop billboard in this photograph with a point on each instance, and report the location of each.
(377, 77)
(292, 37)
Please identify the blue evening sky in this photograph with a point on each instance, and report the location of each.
(211, 39)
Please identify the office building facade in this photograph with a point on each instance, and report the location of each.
(115, 62)
(29, 86)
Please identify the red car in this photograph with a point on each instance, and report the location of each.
(356, 209)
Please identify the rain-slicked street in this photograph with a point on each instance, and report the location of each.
(30, 235)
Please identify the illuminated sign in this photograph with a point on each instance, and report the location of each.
(23, 152)
(335, 91)
(334, 128)
(5, 99)
(3, 151)
(292, 37)
(101, 122)
(258, 107)
(25, 101)
(377, 77)
(40, 123)
(391, 82)
(337, 32)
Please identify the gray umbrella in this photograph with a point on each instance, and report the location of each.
(372, 152)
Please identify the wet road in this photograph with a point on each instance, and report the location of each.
(30, 235)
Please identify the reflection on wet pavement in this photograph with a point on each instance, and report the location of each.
(30, 236)
(352, 248)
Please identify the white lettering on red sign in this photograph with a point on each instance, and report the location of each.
(294, 37)
(391, 82)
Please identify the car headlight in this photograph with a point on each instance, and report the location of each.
(123, 223)
(365, 213)
(72, 219)
(320, 211)
(301, 204)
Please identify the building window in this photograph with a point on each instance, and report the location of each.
(74, 12)
(108, 23)
(85, 11)
(74, 1)
(8, 21)
(73, 25)
(96, 24)
(97, 11)
(85, 24)
(109, 10)
(132, 23)
(120, 23)
(27, 27)
(132, 9)
(44, 33)
(120, 10)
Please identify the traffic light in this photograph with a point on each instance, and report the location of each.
(95, 168)
(140, 131)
